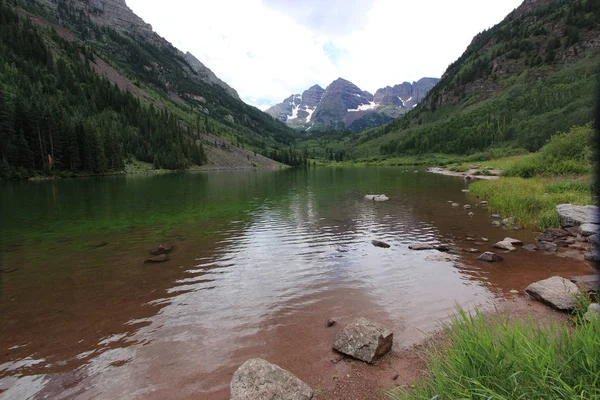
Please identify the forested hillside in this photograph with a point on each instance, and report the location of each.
(530, 76)
(70, 106)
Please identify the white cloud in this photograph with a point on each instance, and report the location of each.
(269, 50)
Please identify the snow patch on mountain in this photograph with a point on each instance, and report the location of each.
(364, 107)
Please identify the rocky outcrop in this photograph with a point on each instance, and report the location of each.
(364, 340)
(557, 292)
(207, 75)
(571, 215)
(258, 379)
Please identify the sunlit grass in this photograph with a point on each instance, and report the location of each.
(496, 358)
(532, 201)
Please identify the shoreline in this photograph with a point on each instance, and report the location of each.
(356, 379)
(470, 174)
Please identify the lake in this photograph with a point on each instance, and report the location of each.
(261, 260)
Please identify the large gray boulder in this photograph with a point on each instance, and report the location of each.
(364, 340)
(557, 292)
(571, 215)
(589, 229)
(258, 379)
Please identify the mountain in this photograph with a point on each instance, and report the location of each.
(532, 75)
(88, 86)
(344, 105)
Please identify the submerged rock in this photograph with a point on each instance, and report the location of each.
(421, 247)
(377, 243)
(530, 247)
(488, 256)
(364, 340)
(552, 234)
(162, 249)
(549, 247)
(571, 215)
(557, 292)
(157, 259)
(331, 322)
(258, 379)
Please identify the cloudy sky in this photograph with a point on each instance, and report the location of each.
(269, 49)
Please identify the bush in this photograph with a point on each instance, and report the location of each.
(499, 359)
(565, 153)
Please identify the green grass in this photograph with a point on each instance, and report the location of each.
(496, 358)
(532, 201)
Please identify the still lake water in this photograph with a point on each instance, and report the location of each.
(261, 260)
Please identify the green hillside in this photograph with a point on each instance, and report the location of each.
(530, 76)
(83, 100)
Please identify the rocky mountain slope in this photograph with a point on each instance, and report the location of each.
(532, 75)
(344, 105)
(94, 70)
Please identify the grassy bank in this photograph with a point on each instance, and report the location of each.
(532, 185)
(495, 358)
(533, 201)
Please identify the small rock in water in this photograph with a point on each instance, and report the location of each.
(455, 204)
(158, 259)
(421, 247)
(496, 224)
(258, 379)
(443, 248)
(485, 239)
(364, 340)
(376, 197)
(98, 245)
(514, 242)
(467, 206)
(488, 256)
(470, 214)
(556, 292)
(473, 251)
(449, 201)
(514, 291)
(331, 322)
(549, 247)
(465, 190)
(483, 203)
(530, 247)
(377, 243)
(496, 216)
(162, 249)
(508, 221)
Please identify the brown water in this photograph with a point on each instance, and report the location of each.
(261, 260)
